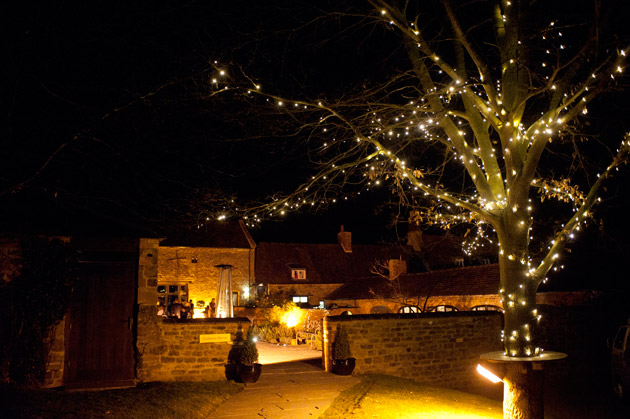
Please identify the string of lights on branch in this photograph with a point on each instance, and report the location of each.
(456, 148)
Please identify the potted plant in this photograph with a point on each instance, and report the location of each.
(342, 362)
(248, 369)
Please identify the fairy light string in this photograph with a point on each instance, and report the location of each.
(486, 128)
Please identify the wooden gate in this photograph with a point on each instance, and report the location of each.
(99, 337)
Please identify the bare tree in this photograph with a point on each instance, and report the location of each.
(472, 131)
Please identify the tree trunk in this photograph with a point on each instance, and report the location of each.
(518, 289)
(523, 391)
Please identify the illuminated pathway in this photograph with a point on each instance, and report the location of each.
(273, 354)
(298, 389)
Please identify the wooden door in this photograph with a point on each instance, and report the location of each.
(100, 336)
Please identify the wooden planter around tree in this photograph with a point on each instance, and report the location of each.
(523, 382)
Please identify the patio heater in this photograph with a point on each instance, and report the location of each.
(224, 295)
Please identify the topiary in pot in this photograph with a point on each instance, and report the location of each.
(248, 369)
(342, 363)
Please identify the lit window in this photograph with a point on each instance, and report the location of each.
(298, 273)
(169, 293)
(486, 307)
(300, 299)
(409, 309)
(443, 308)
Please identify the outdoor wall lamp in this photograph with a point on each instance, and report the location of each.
(488, 374)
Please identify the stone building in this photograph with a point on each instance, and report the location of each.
(467, 288)
(189, 264)
(313, 274)
(307, 273)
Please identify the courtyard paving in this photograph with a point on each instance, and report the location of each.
(293, 385)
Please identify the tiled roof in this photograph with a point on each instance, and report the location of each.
(470, 280)
(441, 250)
(324, 263)
(227, 235)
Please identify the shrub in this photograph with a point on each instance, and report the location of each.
(341, 346)
(249, 353)
(33, 304)
(271, 335)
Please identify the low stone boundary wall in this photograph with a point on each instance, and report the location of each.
(182, 350)
(437, 348)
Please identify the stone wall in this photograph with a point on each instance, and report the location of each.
(581, 333)
(148, 271)
(197, 267)
(170, 350)
(568, 298)
(56, 357)
(439, 348)
(10, 266)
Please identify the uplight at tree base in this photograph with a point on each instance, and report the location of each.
(488, 374)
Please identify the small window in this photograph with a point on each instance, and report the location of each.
(298, 273)
(443, 309)
(409, 309)
(168, 293)
(300, 299)
(486, 307)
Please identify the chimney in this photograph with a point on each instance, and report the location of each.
(414, 237)
(397, 267)
(345, 240)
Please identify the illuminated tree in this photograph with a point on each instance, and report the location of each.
(470, 132)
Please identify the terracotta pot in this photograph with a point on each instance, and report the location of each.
(343, 366)
(248, 373)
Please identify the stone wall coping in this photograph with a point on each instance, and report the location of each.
(404, 316)
(205, 321)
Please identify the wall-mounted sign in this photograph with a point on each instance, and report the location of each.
(215, 338)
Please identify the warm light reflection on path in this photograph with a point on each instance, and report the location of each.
(273, 354)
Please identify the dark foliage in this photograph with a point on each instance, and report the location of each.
(249, 352)
(34, 303)
(341, 346)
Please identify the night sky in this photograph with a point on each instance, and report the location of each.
(117, 89)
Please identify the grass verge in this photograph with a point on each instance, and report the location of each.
(383, 396)
(151, 400)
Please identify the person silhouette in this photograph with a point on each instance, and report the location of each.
(176, 308)
(213, 308)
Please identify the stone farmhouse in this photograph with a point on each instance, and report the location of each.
(364, 278)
